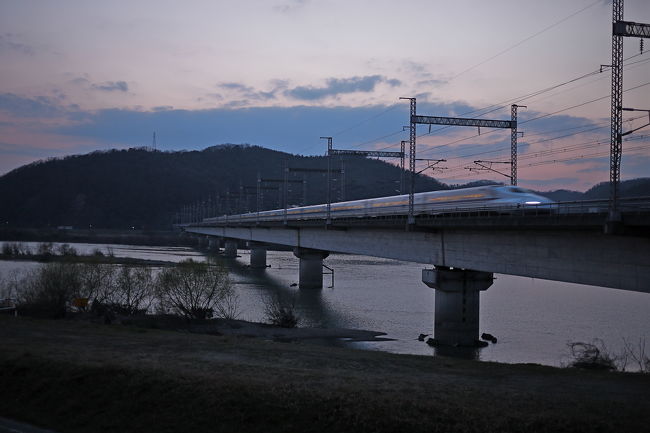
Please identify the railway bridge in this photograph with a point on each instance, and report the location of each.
(464, 249)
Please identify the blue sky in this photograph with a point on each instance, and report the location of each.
(77, 76)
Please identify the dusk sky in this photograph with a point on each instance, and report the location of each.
(79, 75)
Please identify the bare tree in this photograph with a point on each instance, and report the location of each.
(197, 290)
(49, 290)
(132, 291)
(97, 282)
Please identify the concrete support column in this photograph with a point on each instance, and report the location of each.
(311, 267)
(230, 248)
(213, 244)
(258, 255)
(456, 316)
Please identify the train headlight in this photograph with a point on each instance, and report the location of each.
(533, 202)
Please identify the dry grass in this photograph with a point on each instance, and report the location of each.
(80, 377)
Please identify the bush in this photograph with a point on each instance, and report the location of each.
(280, 312)
(15, 249)
(638, 355)
(45, 249)
(132, 290)
(97, 282)
(197, 290)
(67, 250)
(592, 356)
(49, 290)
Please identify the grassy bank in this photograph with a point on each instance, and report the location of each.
(81, 377)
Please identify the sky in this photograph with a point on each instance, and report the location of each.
(78, 76)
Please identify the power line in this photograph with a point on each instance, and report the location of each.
(530, 120)
(525, 40)
(391, 108)
(528, 96)
(572, 148)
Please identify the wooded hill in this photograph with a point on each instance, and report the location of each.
(147, 189)
(142, 188)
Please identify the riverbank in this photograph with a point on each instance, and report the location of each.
(87, 259)
(79, 377)
(99, 236)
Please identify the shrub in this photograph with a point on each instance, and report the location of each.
(97, 281)
(280, 312)
(638, 354)
(197, 290)
(67, 250)
(10, 283)
(132, 290)
(14, 249)
(48, 291)
(593, 356)
(45, 249)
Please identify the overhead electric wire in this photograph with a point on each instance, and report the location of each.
(525, 39)
(530, 120)
(394, 106)
(496, 106)
(526, 97)
(545, 140)
(568, 149)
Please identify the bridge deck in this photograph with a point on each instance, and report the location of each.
(571, 247)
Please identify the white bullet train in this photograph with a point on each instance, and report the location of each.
(503, 199)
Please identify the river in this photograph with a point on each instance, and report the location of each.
(533, 319)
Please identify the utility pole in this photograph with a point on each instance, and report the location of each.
(154, 141)
(620, 29)
(513, 143)
(328, 221)
(401, 167)
(412, 131)
(342, 183)
(285, 172)
(258, 197)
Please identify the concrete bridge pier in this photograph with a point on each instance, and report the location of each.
(230, 248)
(214, 244)
(258, 255)
(311, 267)
(456, 316)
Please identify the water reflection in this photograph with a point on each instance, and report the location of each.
(310, 304)
(533, 319)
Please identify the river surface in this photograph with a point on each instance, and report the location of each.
(533, 319)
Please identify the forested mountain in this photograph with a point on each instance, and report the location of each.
(628, 188)
(142, 188)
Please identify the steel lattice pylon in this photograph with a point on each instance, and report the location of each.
(616, 148)
(328, 221)
(513, 145)
(412, 134)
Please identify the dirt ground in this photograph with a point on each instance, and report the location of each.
(74, 376)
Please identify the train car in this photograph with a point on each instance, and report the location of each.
(503, 199)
